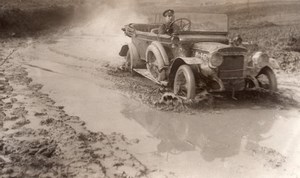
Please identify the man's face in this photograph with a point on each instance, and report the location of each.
(169, 18)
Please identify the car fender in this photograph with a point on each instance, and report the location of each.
(156, 51)
(131, 47)
(160, 62)
(180, 61)
(261, 60)
(274, 64)
(123, 51)
(162, 51)
(185, 60)
(192, 60)
(134, 52)
(135, 57)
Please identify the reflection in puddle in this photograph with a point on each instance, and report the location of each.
(214, 135)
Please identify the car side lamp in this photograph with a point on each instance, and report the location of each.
(175, 40)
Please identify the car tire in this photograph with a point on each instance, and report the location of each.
(264, 75)
(132, 59)
(184, 82)
(129, 62)
(155, 63)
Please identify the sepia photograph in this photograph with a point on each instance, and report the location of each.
(149, 88)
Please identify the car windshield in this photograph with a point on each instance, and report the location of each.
(204, 22)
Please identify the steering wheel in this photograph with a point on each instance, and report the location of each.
(184, 24)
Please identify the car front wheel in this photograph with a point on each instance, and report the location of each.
(267, 79)
(184, 83)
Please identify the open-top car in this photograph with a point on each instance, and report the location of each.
(199, 57)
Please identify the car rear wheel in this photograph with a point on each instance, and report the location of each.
(184, 83)
(132, 59)
(128, 63)
(267, 79)
(155, 63)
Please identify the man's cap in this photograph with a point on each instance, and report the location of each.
(168, 12)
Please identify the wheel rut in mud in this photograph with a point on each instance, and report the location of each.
(39, 139)
(163, 98)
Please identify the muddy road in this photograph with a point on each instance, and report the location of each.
(68, 109)
(256, 135)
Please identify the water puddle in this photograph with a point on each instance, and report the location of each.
(216, 135)
(191, 144)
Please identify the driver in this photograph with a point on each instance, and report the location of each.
(168, 27)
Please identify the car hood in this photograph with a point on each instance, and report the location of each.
(212, 47)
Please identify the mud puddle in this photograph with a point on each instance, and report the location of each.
(220, 140)
(39, 139)
(233, 137)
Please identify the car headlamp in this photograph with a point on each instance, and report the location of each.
(216, 60)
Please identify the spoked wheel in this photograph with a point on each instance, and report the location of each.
(184, 83)
(152, 66)
(155, 63)
(267, 79)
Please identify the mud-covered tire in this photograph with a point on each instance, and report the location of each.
(132, 59)
(267, 79)
(184, 82)
(155, 63)
(128, 62)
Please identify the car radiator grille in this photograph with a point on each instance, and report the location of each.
(232, 67)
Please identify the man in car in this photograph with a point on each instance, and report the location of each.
(168, 27)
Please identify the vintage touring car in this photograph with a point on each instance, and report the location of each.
(199, 57)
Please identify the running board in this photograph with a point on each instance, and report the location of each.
(147, 74)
